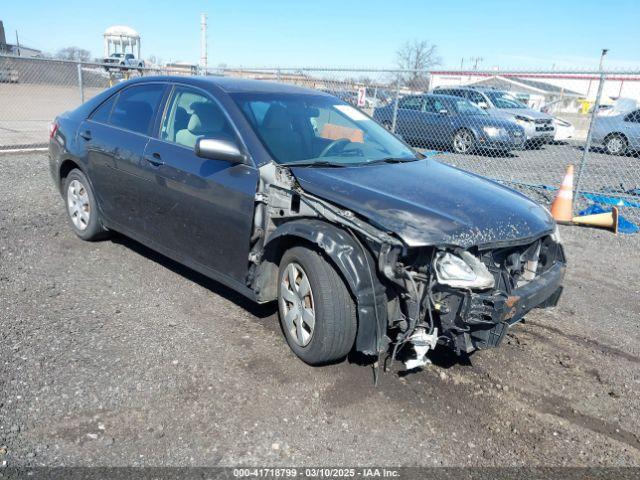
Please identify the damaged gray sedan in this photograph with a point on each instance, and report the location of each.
(291, 195)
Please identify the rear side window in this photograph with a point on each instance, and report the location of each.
(136, 108)
(103, 112)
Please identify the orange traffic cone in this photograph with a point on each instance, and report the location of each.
(562, 206)
(607, 220)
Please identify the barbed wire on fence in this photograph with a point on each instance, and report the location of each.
(518, 127)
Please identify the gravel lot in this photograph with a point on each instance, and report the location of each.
(113, 355)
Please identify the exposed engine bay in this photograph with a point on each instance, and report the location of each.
(463, 297)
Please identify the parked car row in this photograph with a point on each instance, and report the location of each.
(468, 119)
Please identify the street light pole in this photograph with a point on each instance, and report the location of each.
(604, 54)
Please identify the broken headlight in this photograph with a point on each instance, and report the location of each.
(462, 271)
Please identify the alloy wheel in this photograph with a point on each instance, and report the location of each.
(297, 304)
(615, 145)
(462, 141)
(78, 204)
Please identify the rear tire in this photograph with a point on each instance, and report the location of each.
(616, 144)
(82, 207)
(317, 313)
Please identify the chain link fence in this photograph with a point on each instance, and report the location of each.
(520, 128)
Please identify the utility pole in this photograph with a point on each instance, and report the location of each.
(17, 44)
(203, 42)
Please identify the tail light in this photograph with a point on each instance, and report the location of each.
(53, 128)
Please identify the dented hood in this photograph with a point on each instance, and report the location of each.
(428, 203)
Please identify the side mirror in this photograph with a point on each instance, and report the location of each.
(483, 105)
(218, 150)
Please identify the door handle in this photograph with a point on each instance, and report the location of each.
(154, 159)
(86, 135)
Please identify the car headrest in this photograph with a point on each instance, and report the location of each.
(206, 118)
(277, 117)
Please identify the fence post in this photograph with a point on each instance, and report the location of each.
(395, 106)
(80, 84)
(587, 144)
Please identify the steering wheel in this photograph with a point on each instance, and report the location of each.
(340, 141)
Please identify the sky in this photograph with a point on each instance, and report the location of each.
(536, 34)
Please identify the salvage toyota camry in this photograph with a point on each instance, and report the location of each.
(291, 195)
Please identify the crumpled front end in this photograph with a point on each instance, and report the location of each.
(461, 291)
(468, 298)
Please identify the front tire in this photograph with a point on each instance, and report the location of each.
(81, 206)
(616, 144)
(317, 313)
(463, 141)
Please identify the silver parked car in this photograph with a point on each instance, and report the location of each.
(538, 126)
(618, 133)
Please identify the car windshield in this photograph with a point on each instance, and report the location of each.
(319, 130)
(504, 100)
(465, 107)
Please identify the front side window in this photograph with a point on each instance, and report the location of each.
(136, 108)
(504, 100)
(411, 103)
(316, 129)
(475, 97)
(435, 105)
(465, 107)
(192, 115)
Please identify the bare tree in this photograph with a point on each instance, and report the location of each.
(418, 56)
(75, 54)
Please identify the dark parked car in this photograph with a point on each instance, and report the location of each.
(290, 195)
(538, 127)
(451, 122)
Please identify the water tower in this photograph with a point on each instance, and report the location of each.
(121, 39)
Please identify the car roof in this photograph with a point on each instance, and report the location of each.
(470, 87)
(231, 84)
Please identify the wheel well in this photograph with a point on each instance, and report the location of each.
(66, 167)
(271, 262)
(273, 254)
(461, 129)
